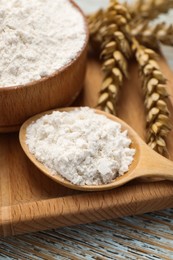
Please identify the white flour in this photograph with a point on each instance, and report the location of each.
(37, 37)
(82, 146)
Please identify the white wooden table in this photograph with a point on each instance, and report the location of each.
(149, 236)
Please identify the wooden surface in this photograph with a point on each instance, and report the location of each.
(148, 236)
(145, 237)
(60, 89)
(31, 202)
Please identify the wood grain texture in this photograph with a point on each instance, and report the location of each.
(144, 237)
(60, 89)
(31, 202)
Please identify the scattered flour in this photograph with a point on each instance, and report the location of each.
(37, 38)
(82, 146)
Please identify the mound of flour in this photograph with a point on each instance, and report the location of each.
(37, 37)
(82, 146)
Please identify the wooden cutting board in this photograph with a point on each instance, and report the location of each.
(30, 201)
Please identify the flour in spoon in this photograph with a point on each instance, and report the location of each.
(37, 38)
(84, 147)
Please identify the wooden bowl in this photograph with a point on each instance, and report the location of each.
(18, 103)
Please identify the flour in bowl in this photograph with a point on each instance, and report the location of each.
(37, 38)
(84, 147)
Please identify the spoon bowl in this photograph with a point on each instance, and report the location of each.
(146, 163)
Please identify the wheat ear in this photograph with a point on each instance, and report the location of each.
(151, 36)
(115, 52)
(147, 10)
(155, 94)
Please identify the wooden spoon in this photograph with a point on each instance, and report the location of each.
(147, 163)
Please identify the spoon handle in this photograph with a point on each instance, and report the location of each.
(152, 164)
